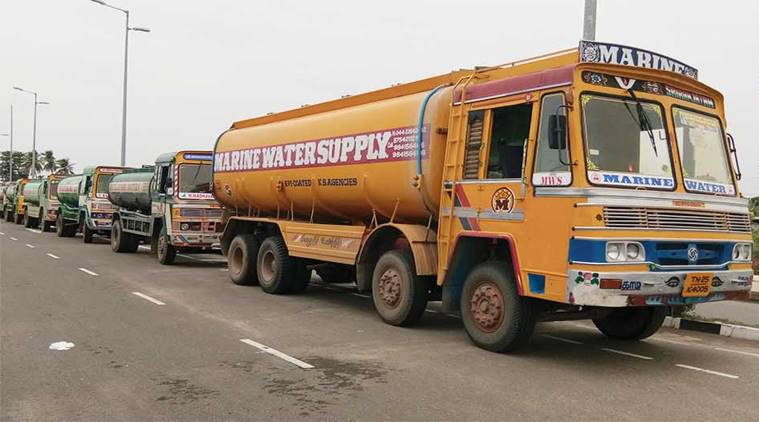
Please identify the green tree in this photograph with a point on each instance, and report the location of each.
(18, 157)
(26, 163)
(65, 166)
(48, 161)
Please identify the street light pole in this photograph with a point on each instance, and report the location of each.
(127, 28)
(589, 21)
(33, 170)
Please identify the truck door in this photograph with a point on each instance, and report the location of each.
(492, 192)
(162, 189)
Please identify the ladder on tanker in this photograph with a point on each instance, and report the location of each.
(457, 129)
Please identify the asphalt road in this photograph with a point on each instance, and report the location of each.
(154, 342)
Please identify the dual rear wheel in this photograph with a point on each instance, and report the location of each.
(266, 264)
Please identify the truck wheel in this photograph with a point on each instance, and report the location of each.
(241, 258)
(276, 269)
(60, 229)
(632, 323)
(495, 317)
(87, 233)
(41, 223)
(120, 241)
(27, 220)
(19, 218)
(167, 253)
(8, 216)
(399, 295)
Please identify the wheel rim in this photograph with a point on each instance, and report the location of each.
(487, 306)
(268, 263)
(235, 261)
(391, 288)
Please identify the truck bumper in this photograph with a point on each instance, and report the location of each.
(196, 240)
(619, 289)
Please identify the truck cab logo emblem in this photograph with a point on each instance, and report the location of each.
(502, 201)
(692, 254)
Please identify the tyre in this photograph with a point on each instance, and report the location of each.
(632, 323)
(27, 220)
(241, 257)
(399, 295)
(41, 223)
(495, 317)
(18, 218)
(87, 234)
(166, 252)
(120, 241)
(277, 271)
(8, 216)
(60, 228)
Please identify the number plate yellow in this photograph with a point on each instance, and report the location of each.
(697, 285)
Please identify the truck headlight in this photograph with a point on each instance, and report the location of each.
(742, 252)
(625, 252)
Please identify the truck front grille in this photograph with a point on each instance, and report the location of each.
(676, 219)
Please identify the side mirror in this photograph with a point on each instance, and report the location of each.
(557, 131)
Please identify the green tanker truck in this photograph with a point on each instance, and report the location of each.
(169, 205)
(41, 202)
(84, 205)
(13, 203)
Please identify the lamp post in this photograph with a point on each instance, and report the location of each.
(33, 170)
(127, 28)
(10, 152)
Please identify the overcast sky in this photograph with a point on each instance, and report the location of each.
(208, 63)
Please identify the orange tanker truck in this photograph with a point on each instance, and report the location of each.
(593, 183)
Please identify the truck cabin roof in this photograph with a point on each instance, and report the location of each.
(191, 155)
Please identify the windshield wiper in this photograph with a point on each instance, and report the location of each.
(643, 122)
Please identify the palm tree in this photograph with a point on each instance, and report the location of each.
(48, 162)
(26, 163)
(65, 166)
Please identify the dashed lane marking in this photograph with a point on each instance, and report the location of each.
(277, 353)
(143, 247)
(621, 352)
(148, 298)
(708, 371)
(34, 231)
(53, 256)
(2, 234)
(30, 246)
(741, 352)
(85, 270)
(565, 340)
(12, 238)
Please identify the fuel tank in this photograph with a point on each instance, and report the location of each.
(33, 191)
(68, 190)
(131, 190)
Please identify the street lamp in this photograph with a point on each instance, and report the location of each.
(127, 28)
(10, 151)
(33, 170)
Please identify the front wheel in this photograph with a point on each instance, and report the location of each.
(87, 233)
(242, 255)
(121, 241)
(167, 253)
(27, 220)
(495, 317)
(399, 295)
(632, 323)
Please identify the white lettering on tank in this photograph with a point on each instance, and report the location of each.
(383, 139)
(334, 150)
(299, 154)
(235, 160)
(627, 58)
(269, 154)
(280, 157)
(289, 154)
(348, 145)
(644, 59)
(309, 153)
(322, 151)
(609, 54)
(362, 142)
(256, 158)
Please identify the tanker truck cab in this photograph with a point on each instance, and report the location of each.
(19, 203)
(41, 202)
(171, 207)
(592, 183)
(95, 211)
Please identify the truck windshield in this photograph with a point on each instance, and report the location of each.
(702, 152)
(52, 190)
(195, 181)
(619, 149)
(101, 189)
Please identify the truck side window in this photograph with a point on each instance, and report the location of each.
(473, 144)
(548, 160)
(163, 182)
(509, 130)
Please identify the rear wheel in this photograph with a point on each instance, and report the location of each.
(632, 323)
(60, 229)
(167, 253)
(8, 216)
(27, 220)
(87, 233)
(399, 295)
(242, 256)
(18, 218)
(495, 317)
(121, 241)
(277, 270)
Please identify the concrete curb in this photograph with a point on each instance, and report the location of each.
(727, 330)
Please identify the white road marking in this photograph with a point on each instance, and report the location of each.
(756, 355)
(35, 231)
(2, 234)
(632, 355)
(148, 298)
(85, 270)
(143, 247)
(61, 346)
(12, 238)
(722, 374)
(565, 340)
(53, 256)
(223, 269)
(276, 353)
(30, 246)
(682, 343)
(360, 295)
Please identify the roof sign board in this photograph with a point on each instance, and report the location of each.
(596, 52)
(201, 157)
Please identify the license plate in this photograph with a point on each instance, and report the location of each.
(697, 285)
